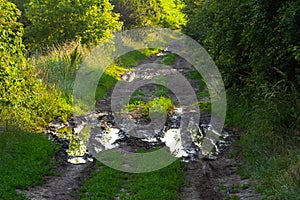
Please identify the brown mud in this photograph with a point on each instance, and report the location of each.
(217, 179)
(64, 185)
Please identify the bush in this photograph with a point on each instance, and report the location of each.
(24, 100)
(140, 13)
(90, 21)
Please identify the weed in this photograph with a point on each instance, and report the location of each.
(135, 103)
(205, 106)
(203, 94)
(59, 66)
(195, 75)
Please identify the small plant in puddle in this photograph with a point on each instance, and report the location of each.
(135, 103)
(157, 106)
(206, 106)
(163, 105)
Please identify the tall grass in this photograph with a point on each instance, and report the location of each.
(270, 144)
(59, 66)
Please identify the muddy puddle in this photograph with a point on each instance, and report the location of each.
(76, 133)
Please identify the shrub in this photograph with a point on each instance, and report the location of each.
(90, 21)
(24, 100)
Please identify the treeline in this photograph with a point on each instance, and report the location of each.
(256, 45)
(91, 21)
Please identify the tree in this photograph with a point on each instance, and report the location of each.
(172, 15)
(254, 43)
(21, 6)
(140, 13)
(90, 21)
(11, 32)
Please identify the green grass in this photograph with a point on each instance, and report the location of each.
(109, 79)
(139, 93)
(107, 183)
(168, 59)
(59, 66)
(161, 91)
(131, 59)
(269, 146)
(194, 75)
(135, 103)
(24, 159)
(203, 94)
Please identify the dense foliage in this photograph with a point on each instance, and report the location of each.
(53, 22)
(139, 13)
(256, 46)
(255, 43)
(21, 6)
(24, 99)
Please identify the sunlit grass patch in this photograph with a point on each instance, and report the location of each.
(132, 58)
